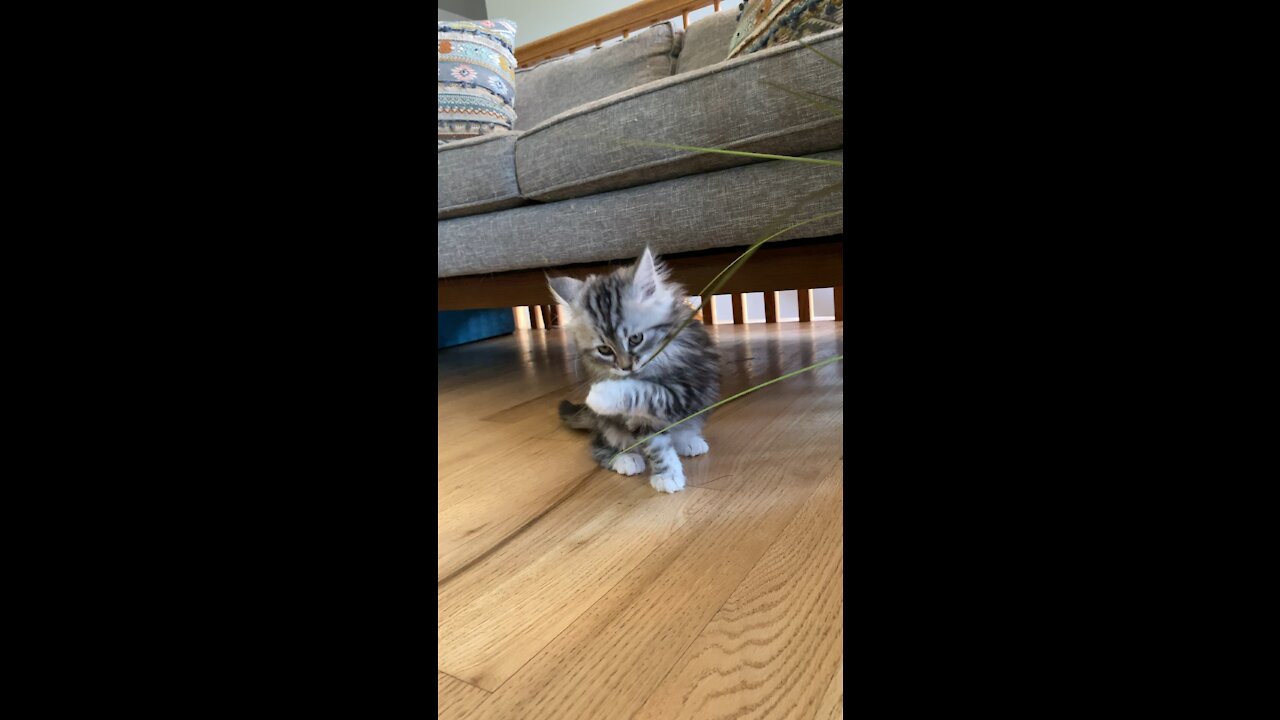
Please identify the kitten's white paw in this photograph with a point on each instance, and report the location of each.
(668, 482)
(607, 397)
(629, 464)
(690, 446)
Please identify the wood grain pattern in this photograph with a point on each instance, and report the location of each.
(608, 662)
(503, 497)
(745, 433)
(831, 706)
(492, 624)
(581, 594)
(800, 263)
(456, 699)
(775, 647)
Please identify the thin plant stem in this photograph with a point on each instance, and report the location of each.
(716, 282)
(739, 153)
(723, 277)
(709, 408)
(822, 55)
(805, 95)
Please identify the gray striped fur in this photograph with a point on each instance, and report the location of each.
(631, 398)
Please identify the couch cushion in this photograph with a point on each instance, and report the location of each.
(476, 175)
(475, 84)
(558, 85)
(727, 105)
(711, 210)
(707, 41)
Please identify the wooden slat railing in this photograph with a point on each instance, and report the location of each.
(619, 23)
(546, 317)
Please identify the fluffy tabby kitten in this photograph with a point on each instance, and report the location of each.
(617, 321)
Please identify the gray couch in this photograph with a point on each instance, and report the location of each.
(569, 185)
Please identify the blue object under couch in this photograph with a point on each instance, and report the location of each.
(463, 326)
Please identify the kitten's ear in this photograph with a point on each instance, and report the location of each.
(565, 289)
(649, 275)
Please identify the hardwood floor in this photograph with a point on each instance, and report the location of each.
(568, 591)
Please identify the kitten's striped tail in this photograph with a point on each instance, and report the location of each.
(578, 417)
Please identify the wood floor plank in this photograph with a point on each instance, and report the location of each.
(503, 496)
(478, 379)
(493, 395)
(456, 699)
(462, 459)
(575, 593)
(751, 437)
(498, 614)
(608, 662)
(775, 648)
(831, 706)
(791, 421)
(466, 444)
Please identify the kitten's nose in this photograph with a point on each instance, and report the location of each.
(624, 363)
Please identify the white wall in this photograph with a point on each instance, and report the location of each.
(462, 9)
(536, 19)
(446, 15)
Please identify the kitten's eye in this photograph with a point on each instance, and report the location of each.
(635, 339)
(604, 350)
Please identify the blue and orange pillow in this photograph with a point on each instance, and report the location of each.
(475, 77)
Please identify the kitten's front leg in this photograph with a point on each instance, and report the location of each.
(613, 397)
(668, 473)
(631, 397)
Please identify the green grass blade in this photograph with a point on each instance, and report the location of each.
(739, 153)
(720, 279)
(713, 406)
(822, 55)
(728, 273)
(833, 105)
(717, 282)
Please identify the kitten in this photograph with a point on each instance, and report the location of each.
(617, 321)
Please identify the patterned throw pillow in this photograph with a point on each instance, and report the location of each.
(765, 23)
(475, 78)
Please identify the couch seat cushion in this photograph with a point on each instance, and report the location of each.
(729, 105)
(476, 175)
(720, 209)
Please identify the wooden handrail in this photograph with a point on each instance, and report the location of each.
(619, 23)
